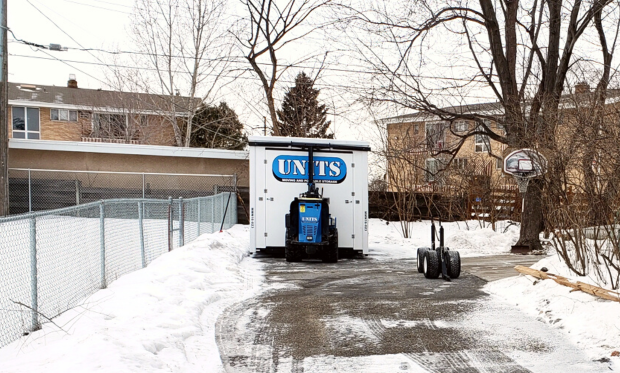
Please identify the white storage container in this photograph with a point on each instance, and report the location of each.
(278, 174)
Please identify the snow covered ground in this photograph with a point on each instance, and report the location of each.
(160, 318)
(590, 322)
(469, 238)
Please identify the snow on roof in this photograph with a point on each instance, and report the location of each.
(96, 99)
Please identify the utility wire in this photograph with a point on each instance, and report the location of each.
(101, 7)
(66, 33)
(253, 78)
(233, 59)
(73, 67)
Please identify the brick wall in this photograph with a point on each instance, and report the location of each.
(158, 131)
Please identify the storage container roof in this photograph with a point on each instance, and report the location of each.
(277, 141)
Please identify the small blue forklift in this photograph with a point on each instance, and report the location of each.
(311, 231)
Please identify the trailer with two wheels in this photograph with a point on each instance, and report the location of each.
(434, 261)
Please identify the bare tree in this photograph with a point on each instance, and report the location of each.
(519, 51)
(582, 197)
(185, 44)
(267, 28)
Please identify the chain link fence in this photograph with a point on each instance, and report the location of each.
(38, 190)
(51, 260)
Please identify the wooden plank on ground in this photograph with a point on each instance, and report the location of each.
(586, 288)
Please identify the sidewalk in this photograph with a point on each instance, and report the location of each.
(497, 267)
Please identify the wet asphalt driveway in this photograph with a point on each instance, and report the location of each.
(370, 315)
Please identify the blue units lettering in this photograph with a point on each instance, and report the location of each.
(294, 168)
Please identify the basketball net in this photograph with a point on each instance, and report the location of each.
(522, 183)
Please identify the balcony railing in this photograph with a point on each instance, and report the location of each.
(111, 141)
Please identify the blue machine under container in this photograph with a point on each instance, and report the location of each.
(310, 222)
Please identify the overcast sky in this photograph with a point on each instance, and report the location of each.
(89, 23)
(105, 24)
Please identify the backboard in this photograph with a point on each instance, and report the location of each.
(525, 163)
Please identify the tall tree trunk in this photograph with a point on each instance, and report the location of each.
(272, 113)
(532, 217)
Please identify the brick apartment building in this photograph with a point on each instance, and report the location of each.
(74, 114)
(71, 128)
(419, 137)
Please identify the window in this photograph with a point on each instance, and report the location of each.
(460, 163)
(430, 171)
(499, 163)
(461, 126)
(109, 126)
(26, 123)
(64, 115)
(500, 128)
(482, 143)
(435, 134)
(416, 128)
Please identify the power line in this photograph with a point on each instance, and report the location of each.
(105, 2)
(253, 78)
(73, 67)
(95, 63)
(100, 7)
(232, 59)
(66, 33)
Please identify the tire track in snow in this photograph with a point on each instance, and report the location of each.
(467, 362)
(368, 317)
(462, 361)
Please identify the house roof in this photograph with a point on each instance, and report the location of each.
(489, 108)
(96, 99)
(492, 108)
(152, 150)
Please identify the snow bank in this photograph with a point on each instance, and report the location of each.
(590, 322)
(160, 318)
(470, 239)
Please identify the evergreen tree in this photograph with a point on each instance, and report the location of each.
(301, 115)
(217, 127)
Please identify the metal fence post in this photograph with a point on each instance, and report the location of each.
(29, 192)
(170, 223)
(102, 242)
(33, 274)
(143, 186)
(141, 224)
(222, 211)
(232, 217)
(78, 200)
(213, 213)
(199, 217)
(181, 222)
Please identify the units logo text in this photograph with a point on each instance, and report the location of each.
(294, 169)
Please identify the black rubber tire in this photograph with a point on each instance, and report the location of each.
(330, 253)
(453, 263)
(292, 254)
(431, 264)
(420, 259)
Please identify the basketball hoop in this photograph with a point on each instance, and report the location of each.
(523, 165)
